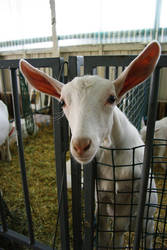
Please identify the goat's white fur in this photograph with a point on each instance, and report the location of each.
(160, 133)
(95, 122)
(4, 132)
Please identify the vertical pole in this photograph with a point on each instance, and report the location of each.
(89, 194)
(157, 19)
(73, 71)
(76, 204)
(21, 153)
(2, 215)
(60, 155)
(61, 147)
(54, 34)
(147, 156)
(89, 188)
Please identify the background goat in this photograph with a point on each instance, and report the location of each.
(89, 103)
(4, 132)
(160, 148)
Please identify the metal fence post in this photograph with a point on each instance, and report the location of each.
(147, 155)
(73, 71)
(21, 153)
(61, 146)
(89, 199)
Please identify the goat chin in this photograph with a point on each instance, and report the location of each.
(84, 159)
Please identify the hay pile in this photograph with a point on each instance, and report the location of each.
(41, 176)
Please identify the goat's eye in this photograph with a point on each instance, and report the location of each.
(111, 99)
(62, 103)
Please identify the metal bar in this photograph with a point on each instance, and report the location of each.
(88, 67)
(88, 61)
(72, 67)
(89, 199)
(61, 146)
(107, 72)
(116, 72)
(147, 155)
(75, 64)
(76, 204)
(21, 153)
(91, 62)
(2, 215)
(94, 61)
(60, 155)
(36, 62)
(162, 61)
(12, 235)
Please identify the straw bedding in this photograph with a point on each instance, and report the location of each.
(41, 176)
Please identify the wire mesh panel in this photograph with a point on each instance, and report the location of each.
(118, 197)
(159, 167)
(117, 200)
(135, 104)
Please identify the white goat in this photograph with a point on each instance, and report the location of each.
(160, 148)
(13, 134)
(4, 132)
(89, 103)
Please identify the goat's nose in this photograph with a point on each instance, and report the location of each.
(81, 145)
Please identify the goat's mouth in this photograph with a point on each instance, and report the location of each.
(84, 158)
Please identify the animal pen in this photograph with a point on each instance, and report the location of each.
(85, 224)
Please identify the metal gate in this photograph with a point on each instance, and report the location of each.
(55, 64)
(84, 224)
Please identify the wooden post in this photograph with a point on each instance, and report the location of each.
(54, 35)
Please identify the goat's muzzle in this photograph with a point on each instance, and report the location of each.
(81, 145)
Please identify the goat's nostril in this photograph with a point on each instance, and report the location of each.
(75, 147)
(81, 145)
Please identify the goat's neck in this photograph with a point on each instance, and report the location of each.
(123, 133)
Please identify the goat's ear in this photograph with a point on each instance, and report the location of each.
(39, 80)
(139, 69)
